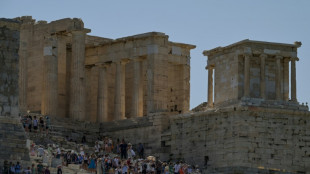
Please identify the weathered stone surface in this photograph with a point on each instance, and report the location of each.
(9, 46)
(13, 141)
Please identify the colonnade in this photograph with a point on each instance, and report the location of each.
(49, 104)
(119, 94)
(279, 78)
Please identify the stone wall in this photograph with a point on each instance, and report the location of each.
(9, 45)
(147, 130)
(248, 138)
(13, 142)
(232, 140)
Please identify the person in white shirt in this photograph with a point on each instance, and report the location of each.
(177, 168)
(40, 151)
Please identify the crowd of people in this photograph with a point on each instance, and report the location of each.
(36, 124)
(106, 157)
(120, 157)
(11, 168)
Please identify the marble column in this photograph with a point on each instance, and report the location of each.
(119, 100)
(293, 79)
(278, 78)
(137, 96)
(285, 79)
(26, 33)
(247, 75)
(49, 104)
(262, 76)
(77, 85)
(210, 86)
(102, 114)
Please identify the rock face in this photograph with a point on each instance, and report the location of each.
(13, 141)
(9, 46)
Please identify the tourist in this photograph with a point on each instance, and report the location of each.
(6, 167)
(83, 139)
(35, 124)
(33, 169)
(47, 124)
(177, 168)
(110, 145)
(26, 125)
(92, 164)
(47, 171)
(41, 124)
(124, 168)
(40, 168)
(29, 120)
(97, 148)
(123, 148)
(59, 171)
(40, 151)
(99, 166)
(130, 152)
(12, 168)
(117, 149)
(18, 168)
(85, 164)
(141, 150)
(27, 171)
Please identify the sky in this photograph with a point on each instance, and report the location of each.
(204, 23)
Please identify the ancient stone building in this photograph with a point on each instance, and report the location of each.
(253, 122)
(252, 126)
(66, 72)
(253, 72)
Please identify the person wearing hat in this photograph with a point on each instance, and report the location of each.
(130, 152)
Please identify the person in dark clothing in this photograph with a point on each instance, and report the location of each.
(47, 171)
(59, 171)
(141, 150)
(123, 147)
(83, 139)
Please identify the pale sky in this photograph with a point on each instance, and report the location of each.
(206, 24)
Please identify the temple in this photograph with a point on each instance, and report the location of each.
(252, 73)
(68, 73)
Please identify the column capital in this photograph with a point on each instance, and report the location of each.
(279, 57)
(121, 61)
(294, 59)
(286, 59)
(103, 65)
(247, 54)
(263, 56)
(210, 67)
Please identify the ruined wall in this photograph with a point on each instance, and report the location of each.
(248, 139)
(13, 142)
(9, 46)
